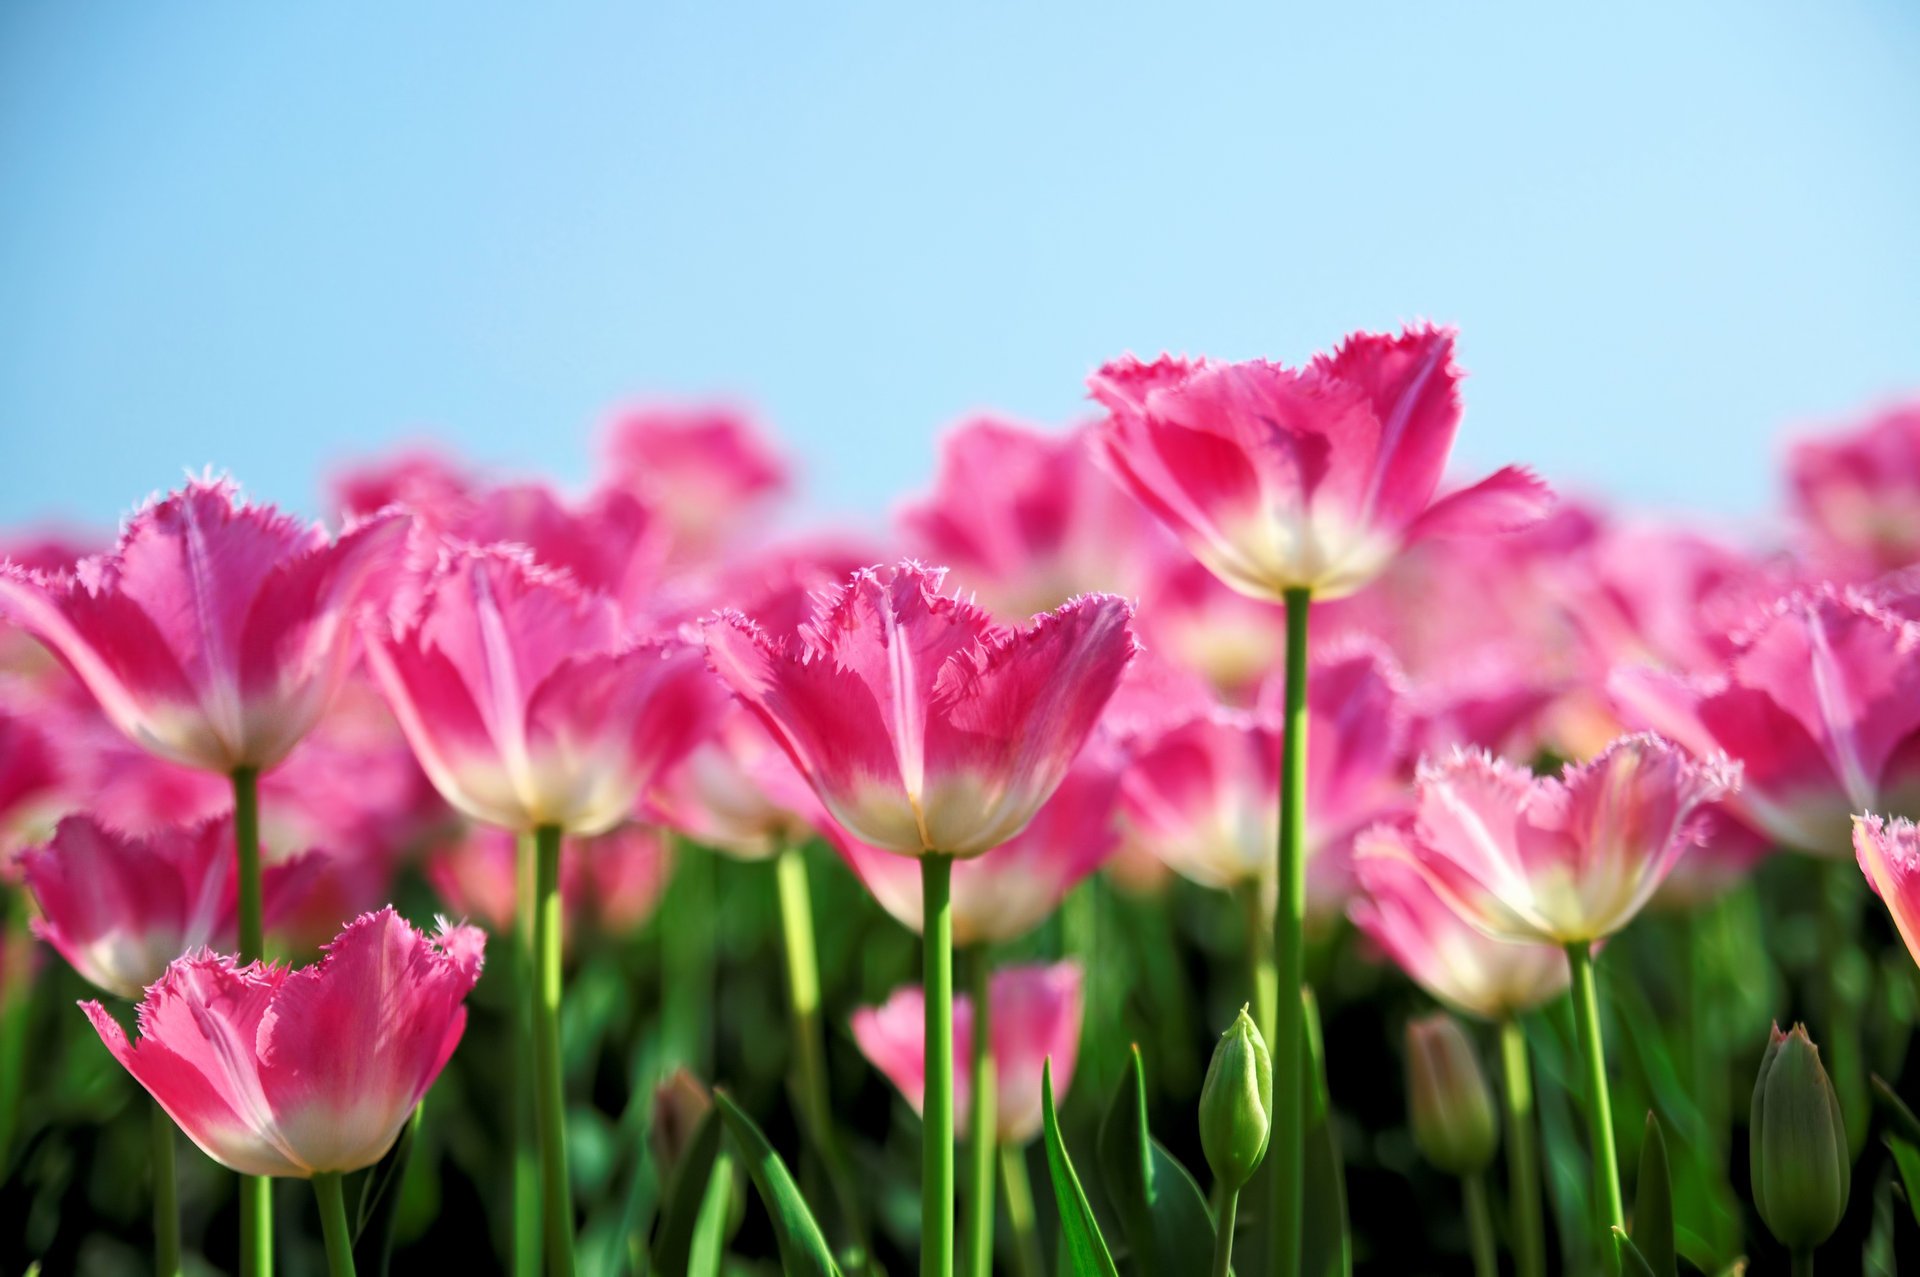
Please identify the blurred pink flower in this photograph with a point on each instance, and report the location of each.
(119, 909)
(705, 470)
(216, 633)
(1889, 855)
(738, 792)
(1034, 1014)
(527, 701)
(1314, 478)
(432, 486)
(1556, 860)
(923, 726)
(611, 881)
(1857, 495)
(1232, 640)
(277, 1071)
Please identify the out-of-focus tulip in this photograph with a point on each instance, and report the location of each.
(680, 1104)
(1857, 495)
(612, 880)
(1798, 1142)
(216, 633)
(34, 785)
(922, 725)
(1820, 703)
(1444, 954)
(1556, 860)
(1236, 1104)
(432, 486)
(526, 700)
(737, 792)
(278, 1071)
(1035, 1014)
(1229, 639)
(1314, 478)
(706, 470)
(1447, 1097)
(1012, 889)
(119, 909)
(1889, 855)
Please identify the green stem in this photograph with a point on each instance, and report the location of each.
(1285, 1154)
(687, 940)
(1847, 975)
(936, 1170)
(549, 1094)
(1523, 1155)
(1223, 1234)
(1018, 1190)
(526, 1139)
(981, 1118)
(1262, 981)
(1803, 1263)
(16, 1004)
(256, 1192)
(333, 1223)
(1486, 1259)
(1606, 1163)
(166, 1196)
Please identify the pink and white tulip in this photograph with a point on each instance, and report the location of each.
(612, 881)
(703, 470)
(738, 792)
(1035, 1013)
(1857, 495)
(276, 1071)
(1566, 860)
(1889, 855)
(1313, 479)
(923, 726)
(216, 633)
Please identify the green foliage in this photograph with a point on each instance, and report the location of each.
(1080, 1238)
(803, 1248)
(1161, 1209)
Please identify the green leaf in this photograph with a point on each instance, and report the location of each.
(1905, 1124)
(803, 1250)
(1652, 1235)
(380, 1201)
(1632, 1262)
(1907, 1158)
(686, 1191)
(1086, 1249)
(715, 1223)
(1326, 1246)
(1160, 1206)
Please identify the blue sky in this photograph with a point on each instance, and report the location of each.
(265, 236)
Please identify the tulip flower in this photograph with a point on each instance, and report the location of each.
(1454, 1127)
(702, 469)
(1857, 495)
(120, 909)
(1191, 617)
(1801, 1165)
(33, 783)
(1236, 1105)
(1889, 856)
(611, 882)
(738, 792)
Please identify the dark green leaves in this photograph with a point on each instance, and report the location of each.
(680, 1214)
(1160, 1206)
(803, 1249)
(1086, 1249)
(1653, 1205)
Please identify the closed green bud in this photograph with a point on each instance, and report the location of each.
(1236, 1104)
(1801, 1171)
(1452, 1109)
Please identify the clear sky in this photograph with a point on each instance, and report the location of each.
(264, 235)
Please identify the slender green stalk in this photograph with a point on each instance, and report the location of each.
(1286, 1153)
(1018, 1191)
(1847, 975)
(936, 1170)
(1606, 1162)
(1803, 1263)
(1523, 1153)
(1223, 1234)
(16, 1000)
(1262, 981)
(549, 1095)
(166, 1196)
(1486, 1258)
(526, 1138)
(256, 1192)
(687, 960)
(982, 1119)
(333, 1224)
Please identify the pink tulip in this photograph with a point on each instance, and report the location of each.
(1190, 616)
(1889, 855)
(1035, 1013)
(527, 702)
(1857, 495)
(612, 880)
(738, 793)
(1015, 887)
(924, 727)
(276, 1071)
(1820, 703)
(1559, 861)
(119, 909)
(704, 470)
(1281, 479)
(1441, 952)
(216, 633)
(1026, 521)
(435, 488)
(34, 782)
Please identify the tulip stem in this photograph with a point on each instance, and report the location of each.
(256, 1192)
(526, 1139)
(1606, 1162)
(549, 1092)
(1803, 1262)
(981, 1118)
(1018, 1191)
(1486, 1259)
(333, 1223)
(16, 998)
(1523, 1173)
(166, 1197)
(1287, 1014)
(936, 1170)
(1223, 1234)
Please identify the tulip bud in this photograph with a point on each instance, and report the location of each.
(1453, 1121)
(680, 1104)
(1236, 1104)
(1799, 1143)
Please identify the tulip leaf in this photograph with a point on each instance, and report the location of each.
(686, 1191)
(803, 1249)
(1652, 1236)
(1087, 1252)
(1632, 1262)
(1905, 1124)
(380, 1201)
(1326, 1246)
(1160, 1206)
(1907, 1158)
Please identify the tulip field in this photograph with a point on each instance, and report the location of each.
(1211, 837)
